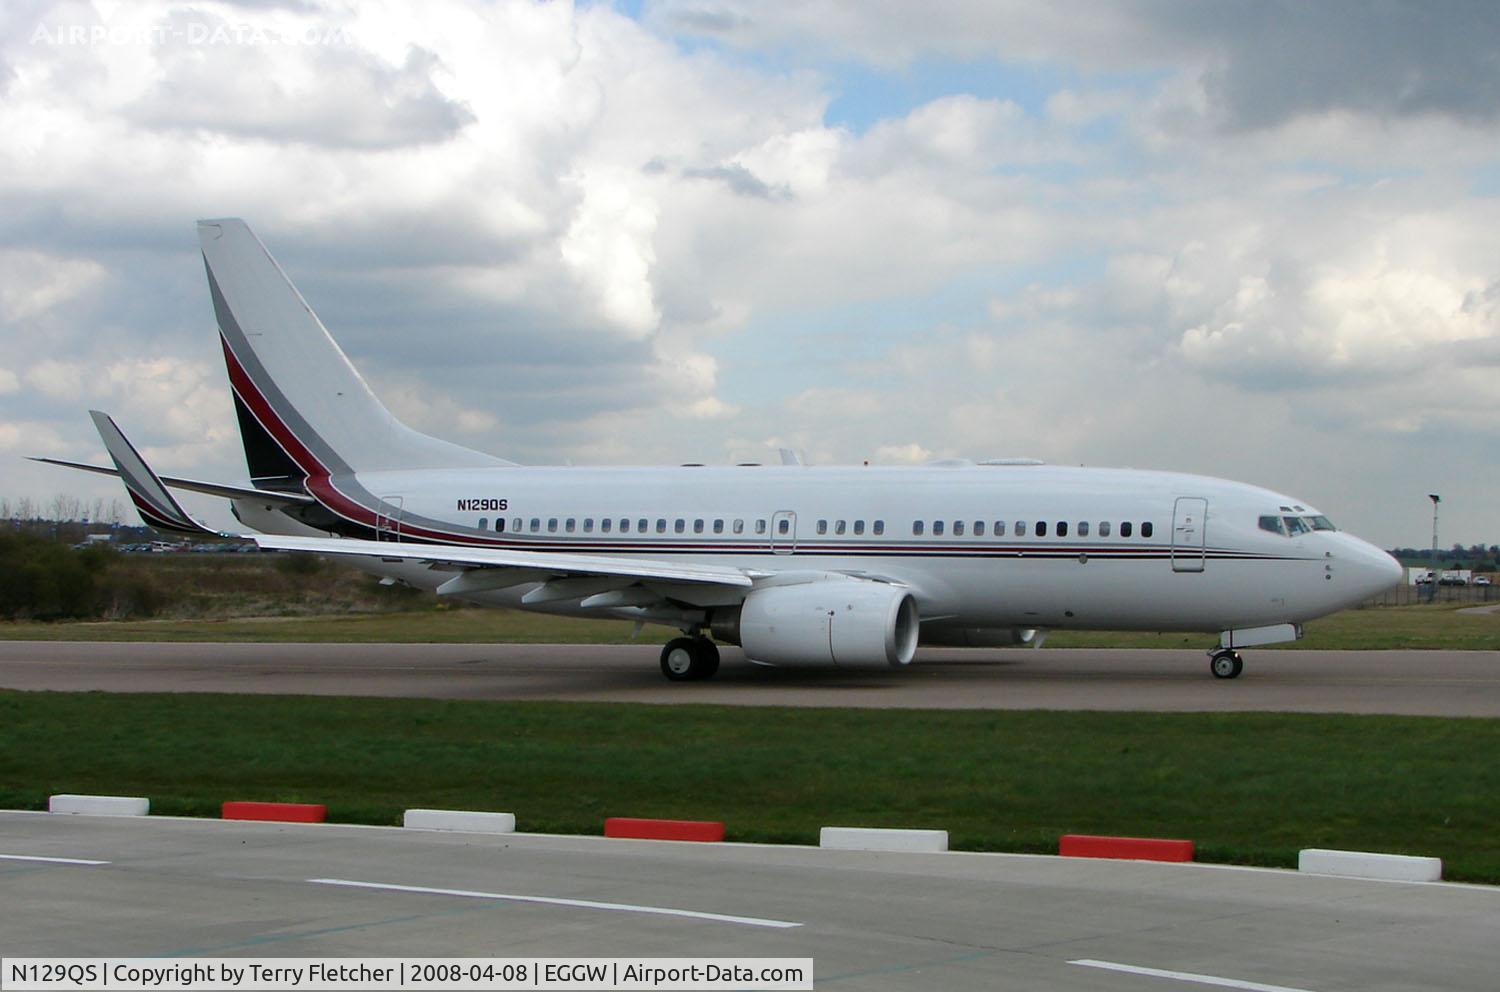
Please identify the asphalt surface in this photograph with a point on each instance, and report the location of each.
(173, 888)
(1429, 683)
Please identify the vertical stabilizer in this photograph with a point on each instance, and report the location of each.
(303, 408)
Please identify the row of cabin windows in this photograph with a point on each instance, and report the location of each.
(639, 525)
(643, 525)
(857, 527)
(1019, 528)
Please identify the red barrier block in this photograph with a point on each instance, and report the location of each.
(1126, 848)
(280, 812)
(700, 830)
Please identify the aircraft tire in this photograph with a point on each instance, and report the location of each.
(707, 653)
(1226, 664)
(689, 659)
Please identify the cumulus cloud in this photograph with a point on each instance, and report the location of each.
(559, 233)
(32, 282)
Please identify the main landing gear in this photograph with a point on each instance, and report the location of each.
(1224, 663)
(689, 659)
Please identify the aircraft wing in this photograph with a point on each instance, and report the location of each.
(537, 565)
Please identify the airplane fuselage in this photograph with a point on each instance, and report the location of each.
(980, 546)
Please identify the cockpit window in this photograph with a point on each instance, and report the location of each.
(1295, 526)
(1272, 524)
(1320, 523)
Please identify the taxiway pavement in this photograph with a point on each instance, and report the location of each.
(1424, 683)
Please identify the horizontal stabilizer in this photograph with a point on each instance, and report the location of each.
(224, 489)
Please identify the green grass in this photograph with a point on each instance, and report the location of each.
(1247, 787)
(1403, 627)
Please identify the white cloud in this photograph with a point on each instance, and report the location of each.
(555, 233)
(33, 282)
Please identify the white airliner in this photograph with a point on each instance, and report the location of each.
(848, 567)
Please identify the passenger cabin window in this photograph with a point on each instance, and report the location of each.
(1083, 528)
(552, 525)
(718, 526)
(822, 526)
(859, 527)
(783, 526)
(1104, 528)
(760, 526)
(516, 524)
(1041, 528)
(880, 527)
(640, 526)
(739, 526)
(1272, 524)
(605, 525)
(484, 523)
(697, 526)
(979, 528)
(588, 525)
(916, 527)
(536, 524)
(1147, 529)
(679, 526)
(999, 528)
(1062, 528)
(569, 525)
(661, 525)
(1126, 529)
(1020, 530)
(937, 528)
(958, 528)
(838, 528)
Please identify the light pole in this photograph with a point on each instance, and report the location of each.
(1432, 592)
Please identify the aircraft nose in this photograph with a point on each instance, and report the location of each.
(1377, 571)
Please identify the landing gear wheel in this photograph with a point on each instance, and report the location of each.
(1226, 664)
(689, 659)
(707, 653)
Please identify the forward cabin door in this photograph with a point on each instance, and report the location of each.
(388, 520)
(1189, 534)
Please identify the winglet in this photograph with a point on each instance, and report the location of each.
(157, 507)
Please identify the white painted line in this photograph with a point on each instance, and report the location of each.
(53, 861)
(1187, 976)
(618, 907)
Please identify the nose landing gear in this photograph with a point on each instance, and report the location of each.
(1226, 664)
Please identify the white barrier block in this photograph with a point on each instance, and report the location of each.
(881, 839)
(100, 805)
(1359, 864)
(465, 821)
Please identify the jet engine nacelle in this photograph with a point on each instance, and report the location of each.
(843, 623)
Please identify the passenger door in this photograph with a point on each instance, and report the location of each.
(1189, 534)
(388, 520)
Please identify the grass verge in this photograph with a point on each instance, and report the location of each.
(1249, 788)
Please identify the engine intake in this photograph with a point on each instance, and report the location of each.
(842, 623)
